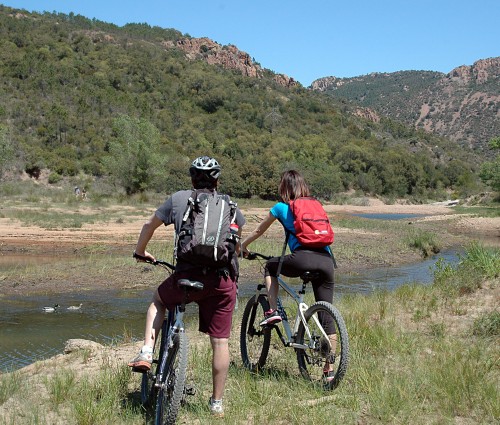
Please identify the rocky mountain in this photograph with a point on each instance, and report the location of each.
(462, 105)
(229, 57)
(83, 97)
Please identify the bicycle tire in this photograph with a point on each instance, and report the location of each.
(148, 390)
(254, 339)
(312, 360)
(172, 392)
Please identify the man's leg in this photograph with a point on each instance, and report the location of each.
(220, 366)
(154, 320)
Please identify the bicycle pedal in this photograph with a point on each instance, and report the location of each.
(190, 390)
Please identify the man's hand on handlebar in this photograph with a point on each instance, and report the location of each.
(145, 258)
(249, 255)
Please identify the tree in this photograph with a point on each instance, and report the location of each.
(135, 159)
(490, 171)
(7, 151)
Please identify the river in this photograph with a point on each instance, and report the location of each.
(28, 334)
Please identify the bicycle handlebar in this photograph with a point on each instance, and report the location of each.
(254, 255)
(154, 263)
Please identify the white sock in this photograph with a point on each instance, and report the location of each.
(146, 349)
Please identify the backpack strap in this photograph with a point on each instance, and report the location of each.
(189, 208)
(283, 252)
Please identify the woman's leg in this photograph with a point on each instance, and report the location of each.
(288, 268)
(272, 287)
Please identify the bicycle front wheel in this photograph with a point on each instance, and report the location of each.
(254, 339)
(325, 350)
(172, 391)
(148, 389)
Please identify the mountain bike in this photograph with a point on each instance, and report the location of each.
(164, 385)
(316, 351)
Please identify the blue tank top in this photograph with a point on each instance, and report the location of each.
(284, 214)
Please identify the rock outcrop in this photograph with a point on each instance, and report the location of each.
(463, 105)
(229, 57)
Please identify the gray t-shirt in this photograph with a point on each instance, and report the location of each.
(172, 211)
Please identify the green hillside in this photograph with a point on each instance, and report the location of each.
(84, 96)
(461, 105)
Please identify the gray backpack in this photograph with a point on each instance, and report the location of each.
(208, 234)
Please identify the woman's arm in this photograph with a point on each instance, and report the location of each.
(257, 232)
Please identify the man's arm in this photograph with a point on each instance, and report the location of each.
(147, 232)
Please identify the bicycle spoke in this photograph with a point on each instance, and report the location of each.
(254, 339)
(328, 345)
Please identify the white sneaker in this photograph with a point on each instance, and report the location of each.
(216, 407)
(142, 363)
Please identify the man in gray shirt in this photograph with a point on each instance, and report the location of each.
(217, 299)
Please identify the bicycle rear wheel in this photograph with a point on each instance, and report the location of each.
(172, 391)
(312, 360)
(254, 339)
(148, 390)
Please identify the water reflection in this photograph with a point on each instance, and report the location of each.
(388, 278)
(28, 334)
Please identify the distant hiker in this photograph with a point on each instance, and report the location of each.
(84, 194)
(77, 191)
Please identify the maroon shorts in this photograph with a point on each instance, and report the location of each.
(216, 301)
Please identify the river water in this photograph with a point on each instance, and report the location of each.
(28, 334)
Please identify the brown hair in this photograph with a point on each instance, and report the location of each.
(292, 186)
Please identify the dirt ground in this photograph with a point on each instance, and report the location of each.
(119, 236)
(16, 238)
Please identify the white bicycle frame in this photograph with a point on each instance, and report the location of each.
(289, 341)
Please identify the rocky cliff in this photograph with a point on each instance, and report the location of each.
(462, 105)
(229, 57)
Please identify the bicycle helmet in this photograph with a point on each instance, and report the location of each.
(205, 166)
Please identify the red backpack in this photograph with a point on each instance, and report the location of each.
(312, 225)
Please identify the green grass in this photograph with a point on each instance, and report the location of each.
(60, 386)
(487, 260)
(477, 264)
(409, 364)
(426, 242)
(103, 400)
(487, 325)
(10, 385)
(481, 211)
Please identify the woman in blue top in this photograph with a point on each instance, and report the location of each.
(301, 259)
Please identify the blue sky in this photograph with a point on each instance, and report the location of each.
(310, 39)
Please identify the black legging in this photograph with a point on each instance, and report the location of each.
(302, 260)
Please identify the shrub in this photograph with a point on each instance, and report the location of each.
(424, 241)
(487, 325)
(54, 177)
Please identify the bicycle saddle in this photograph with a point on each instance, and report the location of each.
(186, 283)
(309, 276)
